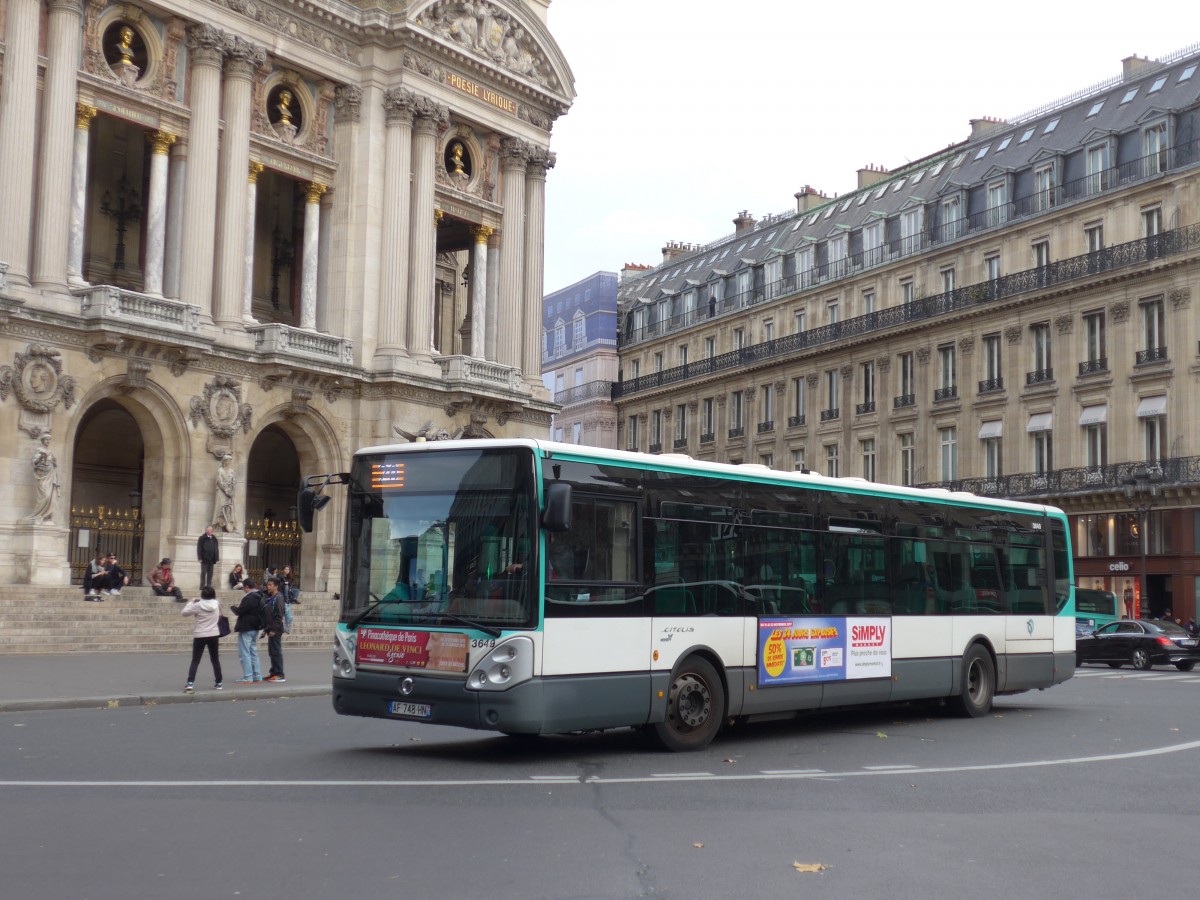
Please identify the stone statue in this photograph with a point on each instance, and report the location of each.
(45, 471)
(428, 432)
(223, 516)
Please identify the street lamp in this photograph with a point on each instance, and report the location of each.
(1141, 490)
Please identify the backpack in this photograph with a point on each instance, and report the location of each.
(268, 613)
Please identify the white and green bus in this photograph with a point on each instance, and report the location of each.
(528, 587)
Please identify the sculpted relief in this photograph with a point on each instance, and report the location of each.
(488, 31)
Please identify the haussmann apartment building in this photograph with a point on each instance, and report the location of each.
(1014, 316)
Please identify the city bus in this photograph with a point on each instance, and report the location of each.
(1094, 608)
(529, 587)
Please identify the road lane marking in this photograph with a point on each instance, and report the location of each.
(630, 779)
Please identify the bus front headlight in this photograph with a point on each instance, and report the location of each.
(344, 644)
(505, 666)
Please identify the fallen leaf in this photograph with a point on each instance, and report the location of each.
(698, 845)
(809, 867)
(113, 704)
(880, 734)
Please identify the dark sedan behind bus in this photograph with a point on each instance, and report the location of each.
(1142, 643)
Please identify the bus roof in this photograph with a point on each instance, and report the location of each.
(677, 462)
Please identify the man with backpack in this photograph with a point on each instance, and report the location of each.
(249, 623)
(275, 624)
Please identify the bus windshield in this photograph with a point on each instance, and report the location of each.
(438, 537)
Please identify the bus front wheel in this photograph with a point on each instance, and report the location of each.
(978, 687)
(695, 707)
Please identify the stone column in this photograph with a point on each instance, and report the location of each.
(55, 150)
(493, 294)
(345, 314)
(18, 113)
(540, 161)
(79, 172)
(205, 52)
(255, 169)
(400, 105)
(241, 59)
(156, 212)
(514, 157)
(479, 282)
(324, 254)
(423, 229)
(174, 239)
(312, 235)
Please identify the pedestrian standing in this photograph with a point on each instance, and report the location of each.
(209, 555)
(205, 635)
(249, 623)
(274, 613)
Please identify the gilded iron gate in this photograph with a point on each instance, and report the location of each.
(106, 530)
(270, 542)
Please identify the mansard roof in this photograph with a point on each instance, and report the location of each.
(1118, 105)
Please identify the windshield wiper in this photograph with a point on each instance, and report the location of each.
(486, 629)
(370, 609)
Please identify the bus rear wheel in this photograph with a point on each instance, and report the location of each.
(695, 707)
(978, 687)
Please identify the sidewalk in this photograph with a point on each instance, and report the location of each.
(92, 680)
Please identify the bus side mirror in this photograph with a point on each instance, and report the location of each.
(557, 516)
(307, 504)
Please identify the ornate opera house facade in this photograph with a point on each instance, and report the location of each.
(258, 235)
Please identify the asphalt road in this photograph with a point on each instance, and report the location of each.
(1071, 792)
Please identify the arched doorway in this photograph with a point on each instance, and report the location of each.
(106, 490)
(272, 481)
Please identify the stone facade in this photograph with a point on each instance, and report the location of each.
(241, 240)
(1009, 316)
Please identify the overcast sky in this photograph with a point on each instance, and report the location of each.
(689, 111)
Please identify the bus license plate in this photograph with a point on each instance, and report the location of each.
(411, 710)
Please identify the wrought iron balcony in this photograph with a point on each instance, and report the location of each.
(708, 438)
(828, 415)
(737, 432)
(904, 400)
(945, 393)
(1079, 481)
(1114, 258)
(1153, 354)
(991, 385)
(1093, 366)
(1039, 376)
(764, 427)
(795, 421)
(593, 390)
(680, 443)
(656, 448)
(861, 409)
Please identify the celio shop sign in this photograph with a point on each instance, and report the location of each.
(1119, 567)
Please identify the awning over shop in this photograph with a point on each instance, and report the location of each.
(1152, 406)
(1040, 422)
(1093, 415)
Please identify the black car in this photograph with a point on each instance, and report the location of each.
(1140, 642)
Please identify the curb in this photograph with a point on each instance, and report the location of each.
(204, 696)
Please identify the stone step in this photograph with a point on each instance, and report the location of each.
(57, 620)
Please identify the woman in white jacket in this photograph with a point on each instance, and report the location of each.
(205, 634)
